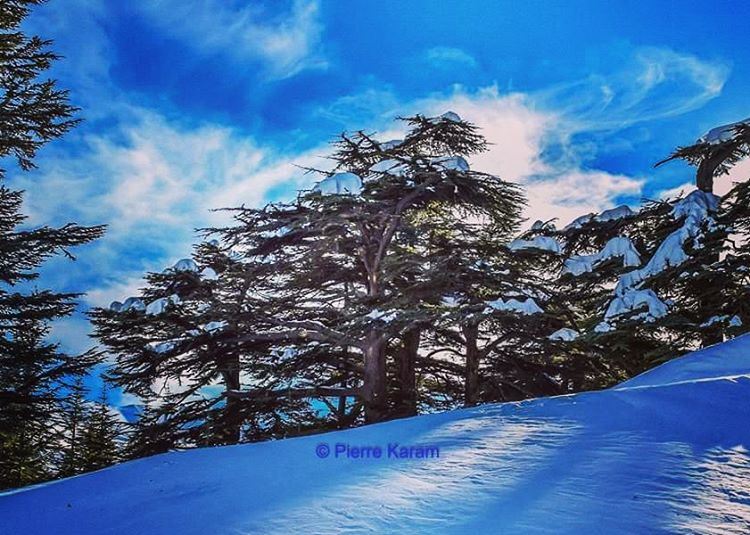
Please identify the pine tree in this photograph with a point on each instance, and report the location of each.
(99, 440)
(74, 415)
(154, 432)
(32, 112)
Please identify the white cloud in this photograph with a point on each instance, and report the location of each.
(287, 43)
(153, 183)
(518, 133)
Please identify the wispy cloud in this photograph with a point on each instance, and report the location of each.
(154, 182)
(449, 57)
(657, 83)
(286, 42)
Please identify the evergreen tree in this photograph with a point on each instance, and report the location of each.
(32, 112)
(74, 415)
(342, 246)
(676, 273)
(99, 440)
(179, 345)
(154, 432)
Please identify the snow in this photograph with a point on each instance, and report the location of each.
(385, 317)
(115, 306)
(579, 222)
(696, 207)
(734, 321)
(186, 264)
(615, 213)
(340, 184)
(391, 167)
(161, 347)
(564, 335)
(713, 320)
(666, 452)
(525, 308)
(390, 145)
(160, 305)
(450, 301)
(132, 303)
(544, 243)
(209, 274)
(603, 327)
(541, 225)
(214, 326)
(693, 210)
(633, 300)
(721, 134)
(617, 247)
(452, 163)
(447, 116)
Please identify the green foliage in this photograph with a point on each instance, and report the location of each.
(33, 111)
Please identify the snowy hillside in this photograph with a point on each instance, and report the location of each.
(666, 452)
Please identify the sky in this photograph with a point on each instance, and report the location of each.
(191, 105)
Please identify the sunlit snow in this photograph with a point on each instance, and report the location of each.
(666, 452)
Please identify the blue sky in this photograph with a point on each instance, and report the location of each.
(191, 105)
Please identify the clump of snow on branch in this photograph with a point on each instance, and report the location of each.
(721, 134)
(526, 308)
(158, 306)
(209, 274)
(214, 326)
(391, 144)
(380, 315)
(734, 321)
(634, 300)
(131, 303)
(694, 210)
(340, 184)
(186, 264)
(579, 222)
(543, 243)
(618, 247)
(614, 214)
(447, 116)
(564, 335)
(390, 167)
(161, 347)
(452, 163)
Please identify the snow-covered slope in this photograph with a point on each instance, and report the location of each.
(666, 452)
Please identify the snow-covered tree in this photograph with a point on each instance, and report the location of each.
(652, 284)
(342, 243)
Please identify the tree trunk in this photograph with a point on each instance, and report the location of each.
(471, 384)
(374, 384)
(231, 421)
(406, 373)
